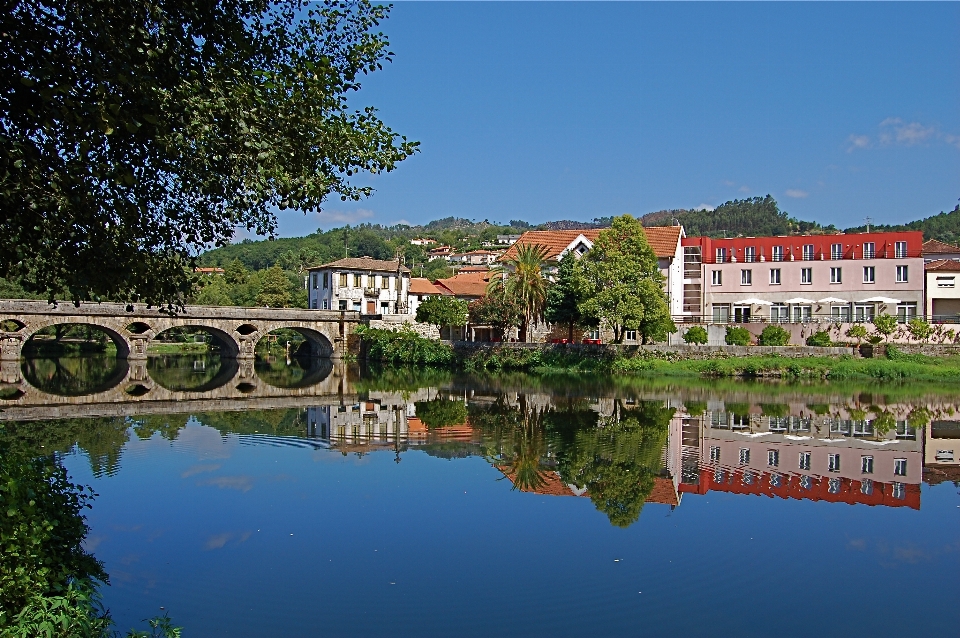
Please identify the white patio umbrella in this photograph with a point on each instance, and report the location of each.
(799, 300)
(884, 300)
(753, 301)
(832, 300)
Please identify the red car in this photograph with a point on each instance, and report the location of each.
(595, 342)
(559, 341)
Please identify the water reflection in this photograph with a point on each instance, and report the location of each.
(74, 376)
(618, 444)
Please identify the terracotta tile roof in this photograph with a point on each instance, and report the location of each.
(465, 284)
(363, 263)
(943, 265)
(663, 492)
(553, 485)
(937, 247)
(205, 270)
(422, 286)
(663, 240)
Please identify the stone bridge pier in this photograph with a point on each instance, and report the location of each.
(132, 327)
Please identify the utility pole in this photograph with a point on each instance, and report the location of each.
(868, 220)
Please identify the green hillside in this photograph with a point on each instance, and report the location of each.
(944, 226)
(758, 216)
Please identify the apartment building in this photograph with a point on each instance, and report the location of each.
(798, 279)
(362, 284)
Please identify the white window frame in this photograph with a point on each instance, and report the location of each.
(900, 467)
(869, 250)
(836, 251)
(774, 276)
(716, 278)
(806, 276)
(900, 250)
(715, 453)
(804, 462)
(777, 253)
(903, 274)
(773, 458)
(947, 282)
(866, 464)
(750, 254)
(746, 277)
(869, 274)
(836, 275)
(744, 456)
(721, 255)
(833, 462)
(808, 252)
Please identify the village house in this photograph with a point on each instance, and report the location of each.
(473, 258)
(935, 250)
(942, 294)
(420, 289)
(420, 241)
(362, 284)
(799, 279)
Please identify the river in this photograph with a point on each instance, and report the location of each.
(288, 498)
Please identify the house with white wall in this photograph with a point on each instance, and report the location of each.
(362, 284)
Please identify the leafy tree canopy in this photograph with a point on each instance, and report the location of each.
(134, 134)
(442, 310)
(756, 216)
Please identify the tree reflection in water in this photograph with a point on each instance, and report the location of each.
(74, 376)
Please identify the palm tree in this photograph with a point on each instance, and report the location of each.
(523, 282)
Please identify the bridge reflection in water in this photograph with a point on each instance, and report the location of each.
(680, 442)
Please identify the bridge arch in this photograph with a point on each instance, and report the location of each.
(109, 328)
(229, 346)
(320, 345)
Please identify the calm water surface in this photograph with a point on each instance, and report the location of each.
(296, 499)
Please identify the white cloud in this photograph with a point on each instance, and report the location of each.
(706, 207)
(744, 189)
(894, 131)
(796, 193)
(343, 216)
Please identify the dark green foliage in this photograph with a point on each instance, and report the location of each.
(696, 335)
(774, 409)
(943, 226)
(403, 346)
(695, 408)
(41, 532)
(496, 309)
(563, 297)
(441, 412)
(737, 336)
(756, 217)
(773, 336)
(442, 310)
(507, 358)
(138, 133)
(275, 289)
(820, 339)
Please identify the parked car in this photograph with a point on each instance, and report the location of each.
(595, 342)
(559, 341)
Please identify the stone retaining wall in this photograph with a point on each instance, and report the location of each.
(674, 351)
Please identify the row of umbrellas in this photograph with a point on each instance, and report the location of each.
(753, 301)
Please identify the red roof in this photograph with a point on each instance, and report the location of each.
(937, 247)
(664, 492)
(662, 239)
(422, 286)
(851, 246)
(465, 284)
(943, 265)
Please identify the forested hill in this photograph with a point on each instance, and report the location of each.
(753, 217)
(944, 226)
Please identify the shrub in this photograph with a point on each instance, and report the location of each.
(919, 330)
(820, 339)
(737, 336)
(774, 336)
(884, 325)
(696, 335)
(404, 346)
(857, 332)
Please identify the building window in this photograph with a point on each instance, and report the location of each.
(746, 277)
(869, 274)
(869, 250)
(313, 304)
(946, 282)
(805, 482)
(316, 279)
(804, 460)
(744, 455)
(343, 304)
(833, 485)
(750, 254)
(906, 312)
(779, 313)
(721, 313)
(630, 335)
(343, 280)
(808, 252)
(775, 276)
(748, 477)
(717, 277)
(778, 253)
(358, 281)
(715, 453)
(721, 255)
(718, 476)
(900, 467)
(773, 458)
(901, 274)
(866, 464)
(836, 275)
(806, 275)
(833, 462)
(863, 313)
(325, 282)
(802, 314)
(900, 250)
(866, 487)
(776, 479)
(836, 251)
(899, 490)
(840, 314)
(325, 304)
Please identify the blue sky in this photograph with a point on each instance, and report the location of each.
(541, 111)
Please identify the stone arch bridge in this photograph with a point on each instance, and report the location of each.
(131, 327)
